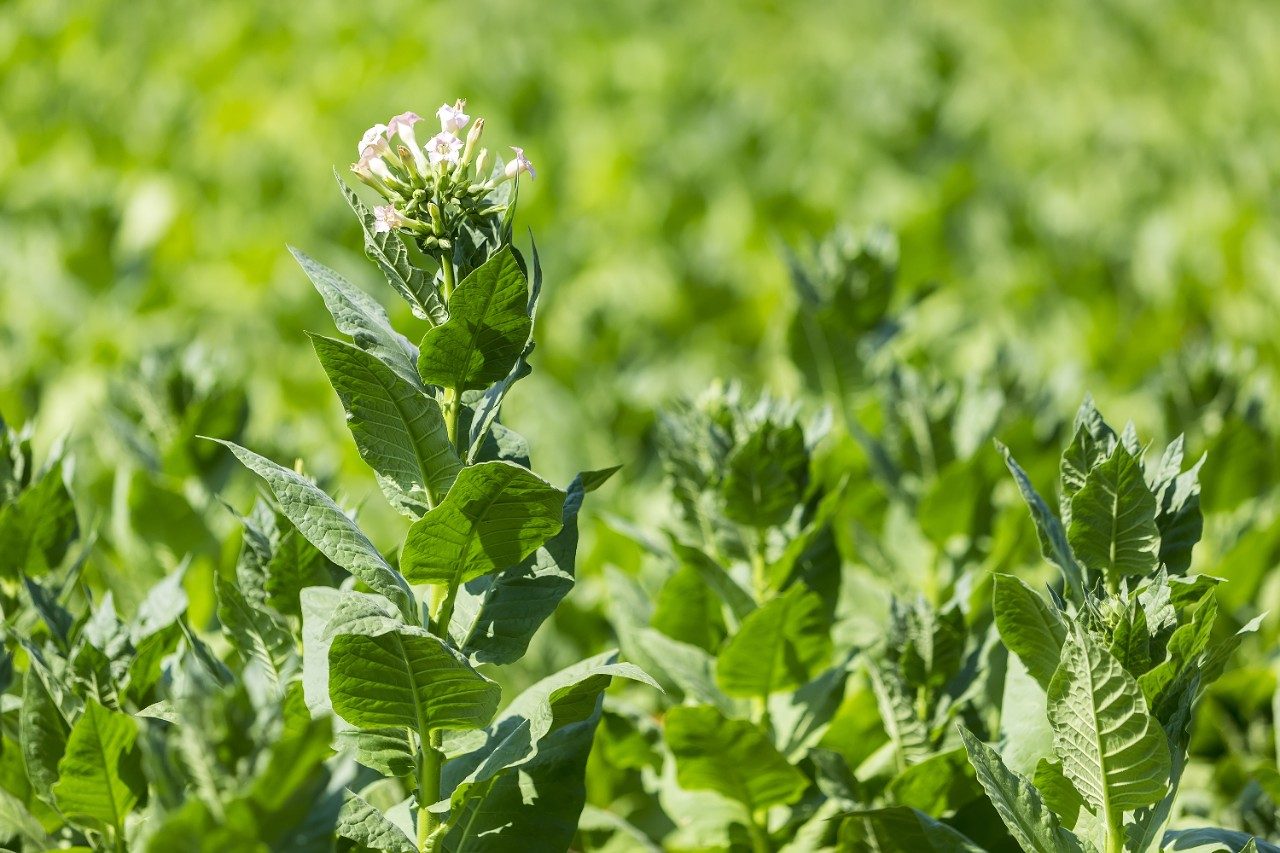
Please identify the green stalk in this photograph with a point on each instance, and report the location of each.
(428, 791)
(759, 567)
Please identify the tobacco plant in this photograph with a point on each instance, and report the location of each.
(1110, 664)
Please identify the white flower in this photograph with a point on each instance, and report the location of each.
(519, 164)
(452, 118)
(385, 218)
(443, 148)
(371, 165)
(375, 138)
(402, 126)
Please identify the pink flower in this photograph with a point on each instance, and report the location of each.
(443, 148)
(452, 118)
(386, 218)
(519, 164)
(375, 139)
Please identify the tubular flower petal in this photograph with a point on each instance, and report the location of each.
(386, 218)
(452, 118)
(518, 164)
(444, 148)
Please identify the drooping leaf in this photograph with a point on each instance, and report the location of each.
(100, 775)
(1017, 802)
(404, 676)
(44, 733)
(1113, 520)
(781, 645)
(732, 757)
(37, 527)
(1053, 538)
(495, 516)
(1029, 627)
(907, 732)
(1111, 747)
(391, 256)
(898, 829)
(295, 565)
(1058, 792)
(359, 315)
(327, 527)
(398, 429)
(370, 828)
(487, 328)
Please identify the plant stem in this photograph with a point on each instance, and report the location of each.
(428, 790)
(446, 276)
(759, 566)
(760, 842)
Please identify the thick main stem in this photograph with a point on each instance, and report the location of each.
(428, 790)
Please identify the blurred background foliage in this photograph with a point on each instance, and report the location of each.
(1075, 197)
(1083, 195)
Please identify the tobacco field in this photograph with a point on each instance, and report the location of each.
(775, 427)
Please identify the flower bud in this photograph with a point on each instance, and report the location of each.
(473, 137)
(519, 164)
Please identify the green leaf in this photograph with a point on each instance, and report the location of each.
(943, 782)
(569, 696)
(256, 633)
(777, 647)
(1017, 802)
(100, 776)
(17, 823)
(898, 829)
(767, 476)
(487, 328)
(391, 256)
(43, 734)
(1029, 627)
(714, 575)
(399, 430)
(1058, 792)
(730, 757)
(359, 315)
(685, 609)
(497, 615)
(1053, 538)
(1206, 839)
(37, 527)
(327, 527)
(495, 516)
(1113, 520)
(404, 676)
(295, 565)
(1179, 519)
(1111, 748)
(368, 827)
(909, 734)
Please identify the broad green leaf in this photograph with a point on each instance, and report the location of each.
(254, 632)
(398, 429)
(485, 411)
(1131, 640)
(163, 605)
(497, 615)
(327, 527)
(943, 782)
(43, 734)
(388, 751)
(487, 328)
(685, 609)
(1206, 839)
(1053, 538)
(317, 605)
(100, 775)
(295, 565)
(359, 315)
(1113, 520)
(766, 476)
(933, 643)
(907, 732)
(368, 827)
(781, 645)
(1111, 748)
(732, 757)
(18, 824)
(1091, 442)
(1179, 516)
(1165, 683)
(569, 696)
(799, 717)
(495, 516)
(1058, 792)
(1029, 627)
(407, 677)
(535, 808)
(391, 256)
(1017, 802)
(37, 527)
(738, 600)
(898, 829)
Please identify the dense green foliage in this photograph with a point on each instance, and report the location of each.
(876, 589)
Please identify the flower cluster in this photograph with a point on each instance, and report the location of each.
(435, 187)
